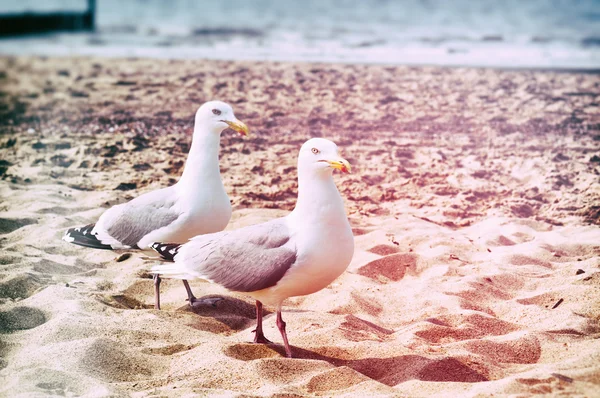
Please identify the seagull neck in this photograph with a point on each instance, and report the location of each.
(203, 159)
(318, 198)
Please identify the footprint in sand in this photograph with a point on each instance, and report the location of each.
(8, 225)
(356, 329)
(123, 301)
(21, 318)
(56, 383)
(361, 231)
(501, 241)
(335, 379)
(520, 259)
(46, 266)
(546, 300)
(111, 361)
(384, 250)
(284, 371)
(250, 351)
(451, 328)
(63, 211)
(524, 349)
(7, 260)
(568, 252)
(395, 370)
(168, 350)
(20, 286)
(389, 268)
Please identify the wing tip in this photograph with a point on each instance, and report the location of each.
(83, 236)
(67, 237)
(167, 251)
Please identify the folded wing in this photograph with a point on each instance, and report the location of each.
(245, 260)
(125, 225)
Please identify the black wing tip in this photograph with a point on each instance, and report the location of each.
(166, 250)
(83, 236)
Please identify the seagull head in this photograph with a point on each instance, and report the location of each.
(216, 116)
(320, 156)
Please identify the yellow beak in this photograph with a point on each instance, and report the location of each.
(238, 126)
(341, 164)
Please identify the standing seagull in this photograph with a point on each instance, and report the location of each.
(197, 204)
(295, 255)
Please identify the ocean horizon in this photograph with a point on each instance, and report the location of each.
(535, 34)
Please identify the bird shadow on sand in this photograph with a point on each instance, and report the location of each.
(390, 371)
(232, 313)
(227, 309)
(229, 315)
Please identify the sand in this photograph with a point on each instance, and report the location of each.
(474, 199)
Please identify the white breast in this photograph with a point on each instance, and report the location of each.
(324, 253)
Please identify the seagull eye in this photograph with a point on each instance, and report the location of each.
(315, 151)
(216, 112)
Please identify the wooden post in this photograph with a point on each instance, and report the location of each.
(32, 23)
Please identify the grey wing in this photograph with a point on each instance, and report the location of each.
(245, 260)
(130, 222)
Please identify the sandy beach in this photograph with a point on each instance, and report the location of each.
(474, 201)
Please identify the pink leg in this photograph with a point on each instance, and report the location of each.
(259, 337)
(281, 326)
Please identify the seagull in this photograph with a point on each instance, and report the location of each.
(197, 204)
(295, 255)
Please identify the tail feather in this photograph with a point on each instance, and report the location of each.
(167, 251)
(83, 236)
(170, 270)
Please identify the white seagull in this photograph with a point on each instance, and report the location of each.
(295, 255)
(197, 204)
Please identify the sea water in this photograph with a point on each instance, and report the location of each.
(511, 33)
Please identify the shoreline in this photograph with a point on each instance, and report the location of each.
(316, 61)
(473, 201)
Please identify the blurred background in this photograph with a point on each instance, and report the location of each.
(560, 34)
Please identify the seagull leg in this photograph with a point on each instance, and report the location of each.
(281, 326)
(259, 337)
(157, 291)
(192, 299)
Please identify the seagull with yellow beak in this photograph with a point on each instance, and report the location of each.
(197, 204)
(295, 255)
